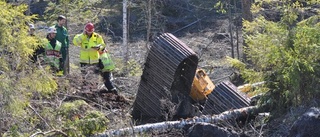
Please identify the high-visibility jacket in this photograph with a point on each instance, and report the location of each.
(88, 54)
(107, 65)
(53, 55)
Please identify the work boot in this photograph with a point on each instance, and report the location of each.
(114, 91)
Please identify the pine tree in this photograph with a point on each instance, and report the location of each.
(284, 53)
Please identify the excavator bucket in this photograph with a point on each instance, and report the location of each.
(201, 86)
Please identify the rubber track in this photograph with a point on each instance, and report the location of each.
(168, 71)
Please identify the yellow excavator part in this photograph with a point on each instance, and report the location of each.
(201, 86)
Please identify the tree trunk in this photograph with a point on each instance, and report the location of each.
(246, 12)
(149, 10)
(125, 33)
(236, 24)
(246, 15)
(67, 61)
(228, 115)
(230, 27)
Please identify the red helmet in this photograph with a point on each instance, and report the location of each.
(89, 28)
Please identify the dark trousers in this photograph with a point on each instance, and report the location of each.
(107, 80)
(64, 53)
(105, 75)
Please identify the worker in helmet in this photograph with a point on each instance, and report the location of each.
(52, 52)
(91, 43)
(62, 36)
(31, 29)
(39, 50)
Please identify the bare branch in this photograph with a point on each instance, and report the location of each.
(48, 132)
(39, 116)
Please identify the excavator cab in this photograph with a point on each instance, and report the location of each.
(201, 86)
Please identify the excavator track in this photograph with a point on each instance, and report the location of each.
(225, 97)
(165, 85)
(167, 76)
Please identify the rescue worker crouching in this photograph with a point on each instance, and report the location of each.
(91, 43)
(52, 52)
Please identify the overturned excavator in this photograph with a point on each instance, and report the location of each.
(172, 86)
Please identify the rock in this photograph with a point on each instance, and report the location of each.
(308, 125)
(210, 130)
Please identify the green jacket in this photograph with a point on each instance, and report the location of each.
(62, 35)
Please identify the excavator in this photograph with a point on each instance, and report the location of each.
(173, 87)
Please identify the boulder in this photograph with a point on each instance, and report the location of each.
(308, 125)
(210, 130)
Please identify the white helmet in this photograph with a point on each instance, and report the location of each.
(31, 26)
(52, 30)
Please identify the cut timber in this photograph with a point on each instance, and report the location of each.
(161, 126)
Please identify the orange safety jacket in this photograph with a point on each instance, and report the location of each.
(88, 54)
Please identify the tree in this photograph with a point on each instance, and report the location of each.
(285, 54)
(18, 76)
(28, 91)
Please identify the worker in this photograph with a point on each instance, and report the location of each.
(39, 50)
(91, 43)
(52, 52)
(31, 29)
(106, 66)
(62, 37)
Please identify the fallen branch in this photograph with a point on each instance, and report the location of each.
(39, 116)
(252, 110)
(49, 132)
(192, 23)
(88, 100)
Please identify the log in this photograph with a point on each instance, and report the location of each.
(161, 126)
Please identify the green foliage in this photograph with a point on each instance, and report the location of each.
(80, 120)
(250, 75)
(15, 48)
(133, 68)
(20, 79)
(220, 6)
(285, 54)
(93, 122)
(71, 109)
(77, 11)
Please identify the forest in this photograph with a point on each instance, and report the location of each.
(246, 41)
